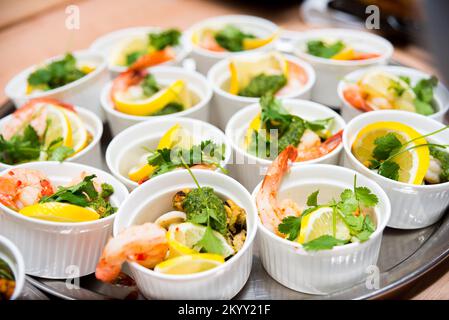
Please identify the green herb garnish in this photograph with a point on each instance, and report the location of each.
(167, 38)
(263, 84)
(231, 38)
(321, 49)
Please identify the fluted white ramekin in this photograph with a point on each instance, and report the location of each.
(131, 144)
(225, 104)
(58, 250)
(248, 168)
(205, 59)
(413, 206)
(84, 92)
(441, 94)
(153, 199)
(91, 154)
(119, 121)
(12, 256)
(324, 271)
(106, 43)
(329, 72)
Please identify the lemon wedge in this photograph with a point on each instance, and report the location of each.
(189, 264)
(413, 164)
(80, 135)
(59, 212)
(186, 235)
(119, 53)
(254, 43)
(378, 83)
(345, 54)
(147, 106)
(242, 70)
(59, 126)
(319, 223)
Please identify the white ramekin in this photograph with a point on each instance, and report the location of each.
(130, 144)
(225, 104)
(91, 154)
(441, 94)
(413, 206)
(153, 199)
(323, 271)
(248, 168)
(119, 121)
(84, 92)
(205, 59)
(12, 256)
(107, 42)
(329, 72)
(57, 250)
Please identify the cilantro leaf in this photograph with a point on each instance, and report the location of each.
(424, 108)
(366, 197)
(60, 153)
(385, 146)
(21, 147)
(443, 157)
(166, 38)
(312, 199)
(149, 85)
(231, 38)
(323, 243)
(321, 49)
(210, 242)
(170, 108)
(389, 169)
(263, 84)
(133, 57)
(290, 226)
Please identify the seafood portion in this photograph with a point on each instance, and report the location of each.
(382, 90)
(315, 226)
(229, 38)
(7, 281)
(398, 152)
(271, 131)
(267, 74)
(147, 50)
(201, 233)
(337, 50)
(57, 74)
(32, 194)
(137, 92)
(176, 150)
(42, 129)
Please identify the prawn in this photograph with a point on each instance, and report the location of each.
(127, 79)
(22, 187)
(310, 146)
(271, 212)
(153, 58)
(354, 96)
(145, 244)
(297, 78)
(208, 42)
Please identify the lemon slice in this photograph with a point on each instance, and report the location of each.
(143, 170)
(319, 223)
(189, 264)
(186, 235)
(59, 126)
(378, 83)
(59, 212)
(345, 54)
(254, 43)
(147, 106)
(242, 70)
(255, 125)
(80, 134)
(413, 164)
(119, 53)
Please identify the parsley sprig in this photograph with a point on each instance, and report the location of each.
(349, 208)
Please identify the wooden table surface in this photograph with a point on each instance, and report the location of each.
(27, 37)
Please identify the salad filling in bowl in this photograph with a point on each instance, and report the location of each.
(58, 214)
(12, 270)
(73, 78)
(185, 232)
(138, 95)
(336, 52)
(392, 88)
(408, 156)
(242, 80)
(219, 37)
(171, 145)
(140, 48)
(318, 219)
(259, 132)
(47, 129)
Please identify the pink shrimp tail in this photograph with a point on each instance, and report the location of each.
(332, 142)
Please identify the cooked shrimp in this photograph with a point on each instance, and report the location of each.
(145, 244)
(208, 42)
(297, 78)
(270, 211)
(153, 58)
(33, 113)
(127, 79)
(81, 177)
(364, 55)
(310, 147)
(23, 187)
(354, 96)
